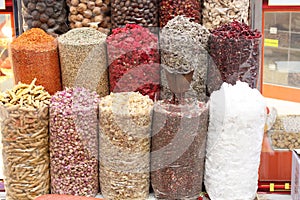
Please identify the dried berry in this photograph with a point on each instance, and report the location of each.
(133, 60)
(235, 50)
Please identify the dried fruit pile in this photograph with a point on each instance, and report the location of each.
(234, 48)
(133, 58)
(73, 142)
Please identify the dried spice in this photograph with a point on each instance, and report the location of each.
(74, 142)
(235, 50)
(24, 129)
(142, 12)
(49, 15)
(133, 60)
(183, 47)
(83, 60)
(34, 55)
(178, 149)
(170, 9)
(90, 13)
(124, 143)
(216, 13)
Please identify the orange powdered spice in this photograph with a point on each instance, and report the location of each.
(35, 55)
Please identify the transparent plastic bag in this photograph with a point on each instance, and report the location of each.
(94, 14)
(25, 151)
(74, 143)
(141, 12)
(34, 54)
(235, 50)
(124, 143)
(83, 60)
(184, 60)
(178, 148)
(216, 13)
(49, 15)
(234, 142)
(133, 58)
(170, 9)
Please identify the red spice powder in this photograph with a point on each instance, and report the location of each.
(133, 58)
(34, 55)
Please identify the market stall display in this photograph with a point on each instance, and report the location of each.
(133, 58)
(90, 13)
(83, 60)
(216, 13)
(178, 148)
(34, 54)
(234, 142)
(74, 142)
(183, 47)
(141, 12)
(49, 15)
(24, 128)
(65, 197)
(170, 9)
(234, 48)
(124, 145)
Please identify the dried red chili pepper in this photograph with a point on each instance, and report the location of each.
(170, 9)
(133, 58)
(235, 49)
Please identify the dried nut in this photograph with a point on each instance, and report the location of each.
(85, 22)
(87, 14)
(97, 11)
(78, 24)
(81, 7)
(73, 10)
(51, 22)
(74, 2)
(91, 5)
(99, 3)
(79, 17)
(98, 18)
(73, 18)
(44, 18)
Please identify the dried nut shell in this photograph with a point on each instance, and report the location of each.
(73, 10)
(73, 18)
(78, 24)
(41, 7)
(98, 18)
(91, 5)
(79, 17)
(51, 22)
(36, 24)
(49, 11)
(85, 22)
(99, 2)
(44, 18)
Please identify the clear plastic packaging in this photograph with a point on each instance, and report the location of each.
(235, 50)
(83, 60)
(133, 58)
(124, 143)
(24, 130)
(90, 13)
(74, 143)
(34, 54)
(141, 12)
(49, 15)
(184, 56)
(178, 148)
(170, 9)
(218, 12)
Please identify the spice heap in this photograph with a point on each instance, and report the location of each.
(183, 47)
(178, 149)
(83, 60)
(73, 142)
(34, 55)
(49, 15)
(142, 12)
(133, 60)
(216, 13)
(124, 142)
(90, 13)
(24, 129)
(234, 142)
(235, 50)
(170, 9)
